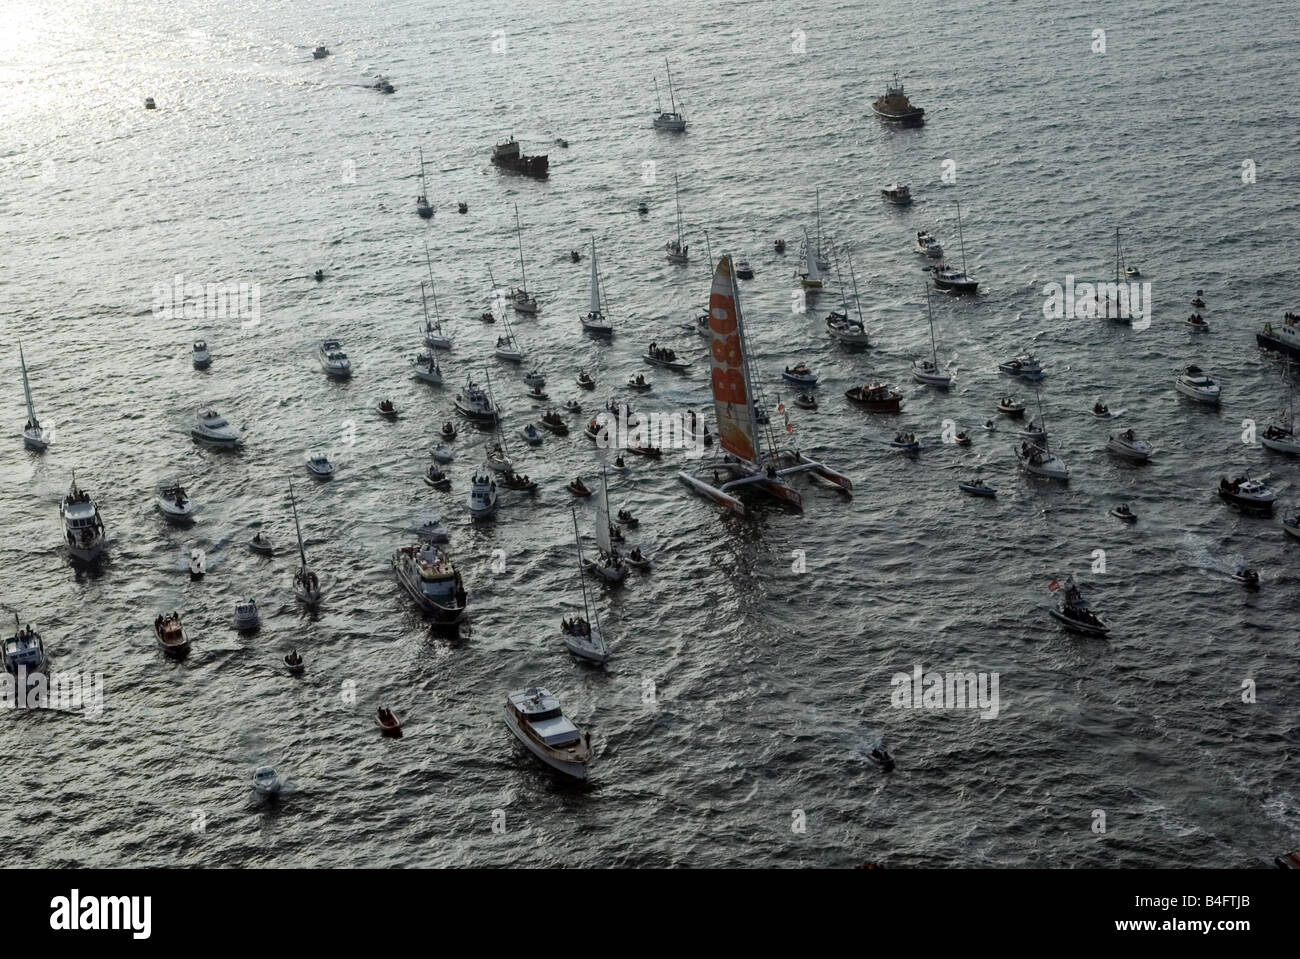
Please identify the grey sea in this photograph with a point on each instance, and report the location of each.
(753, 665)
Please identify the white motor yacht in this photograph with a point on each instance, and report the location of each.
(83, 528)
(535, 718)
(1128, 446)
(210, 427)
(482, 495)
(429, 576)
(1194, 383)
(333, 360)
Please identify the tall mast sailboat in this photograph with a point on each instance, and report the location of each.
(672, 121)
(701, 324)
(595, 322)
(35, 437)
(582, 635)
(678, 251)
(523, 303)
(811, 274)
(306, 584)
(751, 464)
(1112, 304)
(927, 371)
(1280, 436)
(950, 279)
(1040, 460)
(422, 201)
(608, 565)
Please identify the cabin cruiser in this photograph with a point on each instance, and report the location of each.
(83, 529)
(202, 356)
(210, 427)
(584, 640)
(474, 403)
(1284, 339)
(266, 781)
(895, 107)
(427, 573)
(743, 270)
(426, 368)
(1123, 513)
(1248, 494)
(899, 194)
(1197, 323)
(663, 356)
(876, 397)
(436, 478)
(174, 502)
(1128, 446)
(333, 360)
(924, 371)
(1194, 383)
(1009, 407)
(535, 379)
(25, 650)
(171, 635)
(247, 617)
(1024, 366)
(535, 718)
(482, 495)
(318, 464)
(1074, 614)
(443, 453)
(552, 421)
(800, 374)
(847, 331)
(952, 280)
(1038, 461)
(976, 487)
(532, 435)
(928, 245)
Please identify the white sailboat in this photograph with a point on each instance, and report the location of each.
(1040, 460)
(582, 635)
(843, 328)
(595, 322)
(1280, 436)
(35, 437)
(434, 336)
(523, 303)
(927, 371)
(422, 201)
(811, 275)
(751, 464)
(507, 347)
(672, 120)
(498, 460)
(306, 584)
(610, 566)
(677, 250)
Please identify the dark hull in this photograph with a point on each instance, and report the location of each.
(913, 118)
(891, 405)
(537, 167)
(969, 286)
(1267, 342)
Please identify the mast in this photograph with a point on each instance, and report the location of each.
(858, 301)
(750, 382)
(27, 390)
(595, 280)
(519, 233)
(582, 582)
(425, 305)
(1042, 420)
(961, 240)
(818, 194)
(677, 198)
(423, 195)
(934, 357)
(658, 102)
(428, 262)
(671, 99)
(709, 250)
(298, 529)
(1117, 257)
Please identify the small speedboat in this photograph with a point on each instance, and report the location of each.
(202, 355)
(805, 401)
(585, 380)
(975, 487)
(320, 53)
(266, 781)
(149, 104)
(963, 438)
(171, 636)
(1124, 513)
(625, 518)
(743, 270)
(1009, 407)
(462, 207)
(574, 256)
(247, 616)
(436, 478)
(1024, 366)
(535, 379)
(778, 245)
(1101, 411)
(578, 488)
(443, 453)
(523, 484)
(1128, 446)
(537, 393)
(907, 442)
(800, 374)
(1247, 494)
(638, 383)
(642, 208)
(637, 559)
(262, 544)
(574, 407)
(293, 662)
(1246, 577)
(388, 723)
(532, 436)
(899, 194)
(175, 503)
(333, 360)
(318, 465)
(662, 356)
(448, 431)
(387, 409)
(433, 531)
(1197, 323)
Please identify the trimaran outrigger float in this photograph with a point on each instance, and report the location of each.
(751, 463)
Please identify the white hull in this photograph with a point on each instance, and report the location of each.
(941, 380)
(597, 327)
(214, 438)
(611, 574)
(436, 341)
(1210, 397)
(573, 769)
(35, 440)
(509, 355)
(1281, 444)
(591, 648)
(1138, 451)
(425, 375)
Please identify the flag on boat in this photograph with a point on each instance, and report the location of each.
(731, 394)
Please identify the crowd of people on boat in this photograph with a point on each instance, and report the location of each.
(576, 626)
(662, 353)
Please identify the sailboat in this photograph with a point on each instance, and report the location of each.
(523, 303)
(594, 322)
(751, 464)
(672, 121)
(1130, 270)
(434, 337)
(35, 437)
(1040, 460)
(1112, 304)
(507, 347)
(425, 366)
(927, 371)
(582, 634)
(841, 327)
(950, 279)
(306, 584)
(678, 252)
(422, 201)
(811, 275)
(497, 458)
(1280, 436)
(610, 566)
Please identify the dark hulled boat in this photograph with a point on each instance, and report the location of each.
(507, 156)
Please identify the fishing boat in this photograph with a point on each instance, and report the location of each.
(927, 372)
(1280, 436)
(927, 244)
(508, 156)
(247, 616)
(1007, 406)
(554, 422)
(677, 250)
(266, 781)
(202, 356)
(534, 716)
(671, 120)
(174, 502)
(424, 367)
(895, 107)
(950, 279)
(35, 437)
(751, 464)
(320, 53)
(582, 634)
(422, 201)
(1249, 495)
(25, 650)
(1040, 460)
(434, 336)
(475, 404)
(1194, 383)
(83, 528)
(1127, 446)
(1073, 612)
(319, 465)
(306, 584)
(1284, 339)
(799, 374)
(595, 322)
(171, 636)
(810, 276)
(482, 494)
(875, 397)
(262, 544)
(1124, 514)
(429, 576)
(210, 427)
(657, 355)
(1024, 365)
(977, 487)
(333, 360)
(519, 297)
(387, 409)
(899, 194)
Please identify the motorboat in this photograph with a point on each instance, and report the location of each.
(448, 431)
(1033, 432)
(778, 245)
(174, 502)
(333, 360)
(1009, 407)
(662, 356)
(83, 528)
(894, 106)
(1291, 525)
(1074, 614)
(1126, 445)
(743, 270)
(443, 453)
(625, 518)
(436, 478)
(25, 650)
(387, 409)
(799, 374)
(1194, 383)
(521, 484)
(429, 576)
(1024, 366)
(247, 616)
(975, 487)
(474, 403)
(293, 662)
(847, 331)
(532, 436)
(670, 120)
(210, 427)
(1197, 323)
(928, 245)
(482, 495)
(1124, 514)
(553, 422)
(538, 394)
(535, 379)
(585, 380)
(35, 436)
(637, 559)
(149, 103)
(876, 397)
(899, 194)
(266, 781)
(198, 564)
(261, 544)
(1101, 411)
(388, 723)
(573, 406)
(805, 401)
(638, 383)
(318, 465)
(320, 53)
(1198, 300)
(952, 280)
(1284, 339)
(1040, 461)
(1246, 577)
(578, 488)
(171, 635)
(962, 438)
(383, 85)
(535, 718)
(1248, 494)
(202, 355)
(426, 368)
(904, 442)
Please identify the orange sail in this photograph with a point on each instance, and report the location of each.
(737, 430)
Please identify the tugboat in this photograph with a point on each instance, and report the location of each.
(1073, 612)
(508, 157)
(876, 397)
(899, 194)
(1249, 495)
(895, 107)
